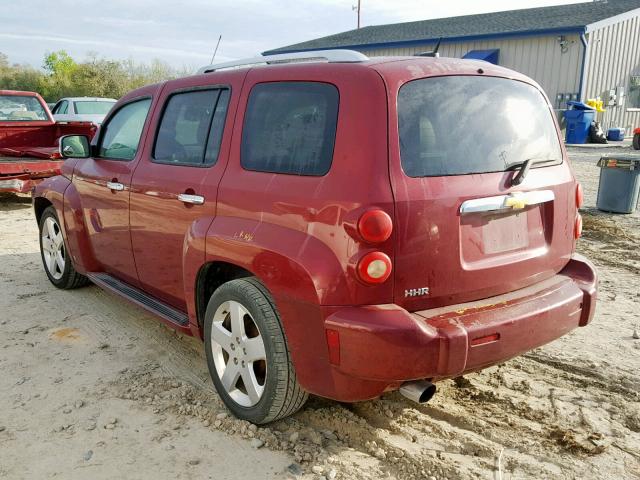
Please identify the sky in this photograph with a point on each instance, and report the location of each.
(184, 33)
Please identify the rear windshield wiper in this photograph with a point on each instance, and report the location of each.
(523, 168)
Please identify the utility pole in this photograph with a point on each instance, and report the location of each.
(357, 8)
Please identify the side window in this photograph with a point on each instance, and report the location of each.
(121, 135)
(290, 127)
(61, 108)
(217, 128)
(191, 127)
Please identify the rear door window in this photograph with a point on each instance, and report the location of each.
(290, 127)
(469, 124)
(191, 127)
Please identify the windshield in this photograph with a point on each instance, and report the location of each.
(14, 108)
(469, 124)
(93, 108)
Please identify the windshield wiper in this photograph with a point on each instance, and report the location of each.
(523, 168)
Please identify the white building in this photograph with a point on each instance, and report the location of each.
(578, 51)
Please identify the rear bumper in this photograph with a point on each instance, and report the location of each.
(385, 345)
(18, 184)
(21, 175)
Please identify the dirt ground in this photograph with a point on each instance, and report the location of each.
(93, 387)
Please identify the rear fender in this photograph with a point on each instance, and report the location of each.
(283, 259)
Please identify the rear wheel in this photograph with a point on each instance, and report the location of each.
(55, 258)
(636, 141)
(247, 353)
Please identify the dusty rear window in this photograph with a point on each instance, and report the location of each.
(469, 124)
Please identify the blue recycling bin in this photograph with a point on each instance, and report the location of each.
(578, 120)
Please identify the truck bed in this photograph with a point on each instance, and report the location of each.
(20, 174)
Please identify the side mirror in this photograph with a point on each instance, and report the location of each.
(75, 146)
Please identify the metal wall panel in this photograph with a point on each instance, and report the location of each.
(614, 55)
(539, 57)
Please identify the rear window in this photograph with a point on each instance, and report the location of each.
(93, 108)
(290, 127)
(468, 124)
(19, 108)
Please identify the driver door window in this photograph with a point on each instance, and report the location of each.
(121, 135)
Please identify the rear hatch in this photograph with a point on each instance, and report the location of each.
(463, 230)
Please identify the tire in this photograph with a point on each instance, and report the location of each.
(53, 251)
(636, 141)
(234, 355)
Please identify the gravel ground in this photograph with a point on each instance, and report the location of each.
(93, 387)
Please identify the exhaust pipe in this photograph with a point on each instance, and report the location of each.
(420, 391)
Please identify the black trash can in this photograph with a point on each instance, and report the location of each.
(619, 183)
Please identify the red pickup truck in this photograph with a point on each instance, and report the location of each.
(29, 140)
(342, 228)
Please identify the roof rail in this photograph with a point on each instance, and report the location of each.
(330, 56)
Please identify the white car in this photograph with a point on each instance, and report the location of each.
(82, 109)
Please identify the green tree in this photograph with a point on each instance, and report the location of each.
(62, 76)
(59, 63)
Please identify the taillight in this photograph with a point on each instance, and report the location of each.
(577, 231)
(374, 267)
(375, 226)
(579, 196)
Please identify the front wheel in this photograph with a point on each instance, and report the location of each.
(247, 353)
(55, 257)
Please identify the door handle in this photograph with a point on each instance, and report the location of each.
(115, 186)
(189, 198)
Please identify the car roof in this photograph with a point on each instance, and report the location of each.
(90, 99)
(413, 66)
(409, 68)
(396, 69)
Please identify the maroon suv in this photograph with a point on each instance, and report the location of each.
(330, 225)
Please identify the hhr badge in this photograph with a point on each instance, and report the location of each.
(416, 292)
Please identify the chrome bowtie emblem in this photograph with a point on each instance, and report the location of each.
(416, 292)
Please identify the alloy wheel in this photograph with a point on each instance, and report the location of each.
(238, 353)
(53, 248)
